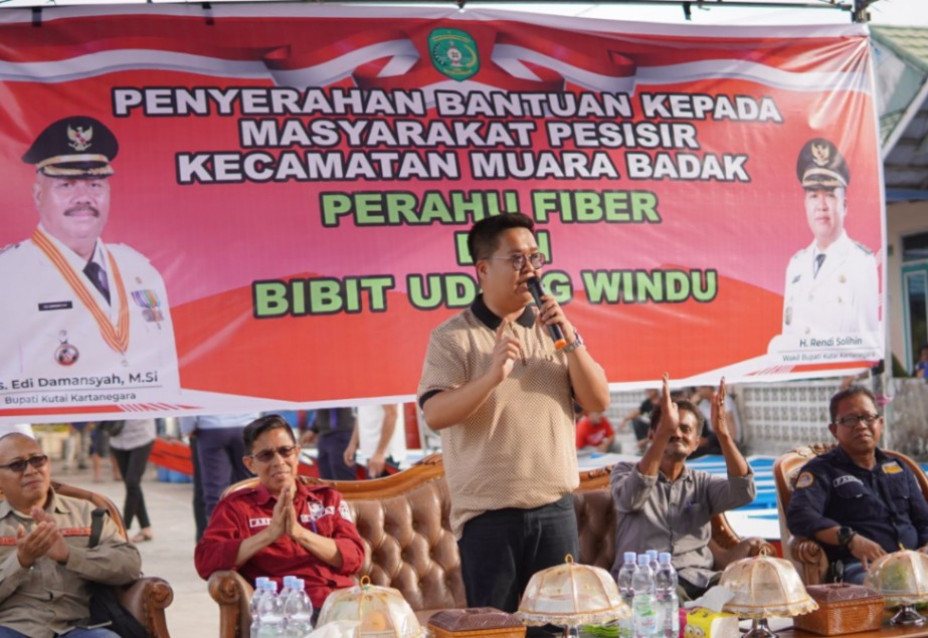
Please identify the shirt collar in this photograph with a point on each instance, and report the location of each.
(837, 245)
(263, 496)
(51, 501)
(844, 459)
(685, 475)
(491, 321)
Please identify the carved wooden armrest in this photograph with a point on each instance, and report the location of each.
(811, 557)
(232, 593)
(146, 599)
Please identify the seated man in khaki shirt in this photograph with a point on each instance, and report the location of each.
(46, 567)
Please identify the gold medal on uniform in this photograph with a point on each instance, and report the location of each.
(66, 354)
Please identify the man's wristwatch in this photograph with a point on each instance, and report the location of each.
(845, 534)
(573, 345)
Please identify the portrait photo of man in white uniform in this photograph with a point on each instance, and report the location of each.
(79, 313)
(831, 285)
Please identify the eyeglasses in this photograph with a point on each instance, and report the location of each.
(19, 466)
(265, 456)
(853, 420)
(537, 260)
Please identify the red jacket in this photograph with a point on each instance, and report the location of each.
(247, 512)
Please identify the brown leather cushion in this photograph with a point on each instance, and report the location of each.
(410, 546)
(596, 522)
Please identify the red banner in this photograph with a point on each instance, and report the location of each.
(292, 185)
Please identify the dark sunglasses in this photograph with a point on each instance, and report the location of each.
(285, 451)
(19, 466)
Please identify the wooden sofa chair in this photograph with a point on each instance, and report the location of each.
(806, 554)
(403, 520)
(146, 598)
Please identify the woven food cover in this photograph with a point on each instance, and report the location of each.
(570, 595)
(902, 577)
(764, 586)
(382, 611)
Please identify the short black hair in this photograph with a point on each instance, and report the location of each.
(483, 238)
(847, 393)
(261, 425)
(682, 406)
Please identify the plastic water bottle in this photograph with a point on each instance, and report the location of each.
(260, 590)
(286, 586)
(665, 590)
(644, 604)
(652, 561)
(624, 581)
(298, 611)
(270, 618)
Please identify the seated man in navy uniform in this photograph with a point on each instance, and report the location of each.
(75, 306)
(857, 501)
(831, 284)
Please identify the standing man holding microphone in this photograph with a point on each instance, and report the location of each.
(501, 394)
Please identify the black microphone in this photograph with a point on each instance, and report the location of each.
(534, 287)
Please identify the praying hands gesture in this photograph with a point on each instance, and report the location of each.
(284, 516)
(285, 522)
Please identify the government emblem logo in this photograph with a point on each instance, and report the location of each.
(821, 154)
(80, 137)
(454, 53)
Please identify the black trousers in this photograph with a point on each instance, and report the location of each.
(132, 465)
(501, 549)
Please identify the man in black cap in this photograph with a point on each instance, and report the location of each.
(831, 285)
(73, 305)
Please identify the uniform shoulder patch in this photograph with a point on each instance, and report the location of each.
(805, 480)
(891, 467)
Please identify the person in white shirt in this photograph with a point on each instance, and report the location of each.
(380, 437)
(831, 284)
(79, 312)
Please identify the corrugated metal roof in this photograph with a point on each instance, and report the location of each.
(905, 104)
(909, 43)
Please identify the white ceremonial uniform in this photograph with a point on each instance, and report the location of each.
(843, 298)
(50, 341)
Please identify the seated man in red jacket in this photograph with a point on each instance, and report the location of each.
(281, 527)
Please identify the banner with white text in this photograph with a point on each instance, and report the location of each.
(212, 208)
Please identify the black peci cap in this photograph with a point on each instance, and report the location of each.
(821, 165)
(76, 147)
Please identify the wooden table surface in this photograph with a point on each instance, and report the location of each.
(886, 632)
